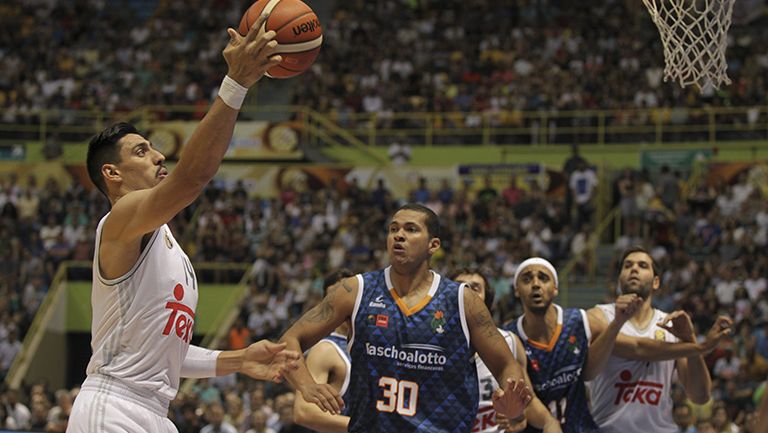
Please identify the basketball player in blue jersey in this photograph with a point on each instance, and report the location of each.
(566, 347)
(487, 421)
(328, 361)
(413, 340)
(144, 288)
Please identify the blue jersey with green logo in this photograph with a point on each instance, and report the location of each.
(413, 369)
(555, 369)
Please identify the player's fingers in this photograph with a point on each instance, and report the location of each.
(724, 321)
(498, 394)
(258, 45)
(274, 347)
(256, 27)
(234, 36)
(332, 399)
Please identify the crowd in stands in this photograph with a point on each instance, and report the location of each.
(710, 240)
(395, 56)
(378, 57)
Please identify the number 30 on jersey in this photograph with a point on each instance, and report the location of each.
(400, 396)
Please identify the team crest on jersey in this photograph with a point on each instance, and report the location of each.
(659, 335)
(438, 321)
(168, 241)
(572, 346)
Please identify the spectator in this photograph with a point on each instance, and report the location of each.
(582, 184)
(214, 414)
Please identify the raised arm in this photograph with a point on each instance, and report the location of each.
(601, 347)
(332, 311)
(692, 370)
(321, 360)
(651, 350)
(513, 395)
(248, 58)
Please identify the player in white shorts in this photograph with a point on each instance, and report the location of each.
(487, 420)
(144, 288)
(631, 396)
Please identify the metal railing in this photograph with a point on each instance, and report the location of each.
(361, 130)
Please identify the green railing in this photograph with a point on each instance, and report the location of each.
(659, 125)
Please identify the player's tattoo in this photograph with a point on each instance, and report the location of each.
(347, 287)
(321, 312)
(483, 319)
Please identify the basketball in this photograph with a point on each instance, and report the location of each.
(299, 34)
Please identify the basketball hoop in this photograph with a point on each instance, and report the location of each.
(694, 34)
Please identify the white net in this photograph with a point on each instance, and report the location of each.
(694, 34)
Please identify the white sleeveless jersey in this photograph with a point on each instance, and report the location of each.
(634, 396)
(143, 321)
(485, 420)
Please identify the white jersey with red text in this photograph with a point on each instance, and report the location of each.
(143, 321)
(635, 396)
(485, 421)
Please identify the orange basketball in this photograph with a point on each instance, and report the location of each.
(299, 34)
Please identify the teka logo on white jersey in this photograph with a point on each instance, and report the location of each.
(413, 356)
(182, 318)
(378, 302)
(642, 392)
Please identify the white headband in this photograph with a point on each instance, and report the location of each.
(535, 261)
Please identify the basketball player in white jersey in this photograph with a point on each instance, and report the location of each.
(631, 396)
(487, 420)
(328, 362)
(144, 288)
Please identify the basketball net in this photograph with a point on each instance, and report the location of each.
(694, 34)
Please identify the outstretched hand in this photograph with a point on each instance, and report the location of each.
(512, 399)
(250, 56)
(265, 360)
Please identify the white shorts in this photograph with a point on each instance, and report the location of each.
(101, 412)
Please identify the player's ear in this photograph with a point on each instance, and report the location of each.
(434, 245)
(110, 172)
(656, 282)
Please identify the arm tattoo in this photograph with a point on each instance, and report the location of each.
(483, 319)
(320, 313)
(346, 286)
(486, 325)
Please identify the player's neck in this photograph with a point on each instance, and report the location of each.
(644, 315)
(406, 282)
(540, 327)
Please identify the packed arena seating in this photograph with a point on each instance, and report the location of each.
(711, 242)
(712, 251)
(384, 56)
